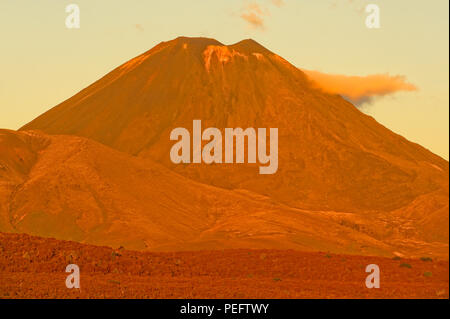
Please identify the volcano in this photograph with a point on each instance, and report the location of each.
(335, 162)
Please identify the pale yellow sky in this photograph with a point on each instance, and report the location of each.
(44, 63)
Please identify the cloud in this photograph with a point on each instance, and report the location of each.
(139, 27)
(254, 14)
(360, 89)
(278, 3)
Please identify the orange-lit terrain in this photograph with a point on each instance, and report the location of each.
(34, 267)
(96, 170)
(73, 188)
(332, 157)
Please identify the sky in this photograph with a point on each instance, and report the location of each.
(397, 73)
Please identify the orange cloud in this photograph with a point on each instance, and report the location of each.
(139, 27)
(253, 19)
(278, 3)
(254, 15)
(360, 89)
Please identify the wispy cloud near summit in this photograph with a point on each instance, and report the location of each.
(360, 89)
(255, 14)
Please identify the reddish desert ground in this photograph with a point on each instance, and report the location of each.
(34, 267)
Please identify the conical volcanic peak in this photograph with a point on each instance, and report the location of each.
(199, 47)
(250, 46)
(199, 42)
(184, 77)
(331, 156)
(209, 53)
(247, 46)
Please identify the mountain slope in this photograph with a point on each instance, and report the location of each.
(77, 189)
(331, 156)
